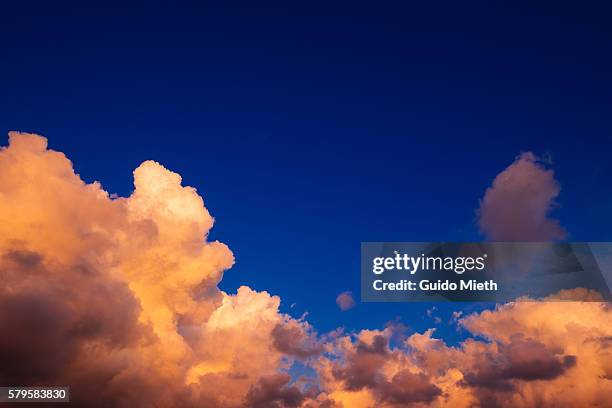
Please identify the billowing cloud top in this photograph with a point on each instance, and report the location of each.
(121, 294)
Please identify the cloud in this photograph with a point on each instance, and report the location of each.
(546, 350)
(362, 363)
(274, 392)
(296, 339)
(406, 387)
(125, 292)
(521, 359)
(366, 371)
(525, 354)
(517, 205)
(345, 301)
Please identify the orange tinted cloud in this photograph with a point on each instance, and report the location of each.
(527, 354)
(524, 354)
(119, 298)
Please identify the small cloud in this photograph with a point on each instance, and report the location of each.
(430, 314)
(518, 204)
(345, 301)
(455, 317)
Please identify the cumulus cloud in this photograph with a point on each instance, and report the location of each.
(522, 359)
(274, 392)
(364, 371)
(296, 339)
(345, 301)
(517, 205)
(524, 354)
(118, 297)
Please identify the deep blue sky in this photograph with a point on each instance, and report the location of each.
(310, 128)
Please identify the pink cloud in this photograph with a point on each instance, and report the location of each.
(517, 205)
(345, 301)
